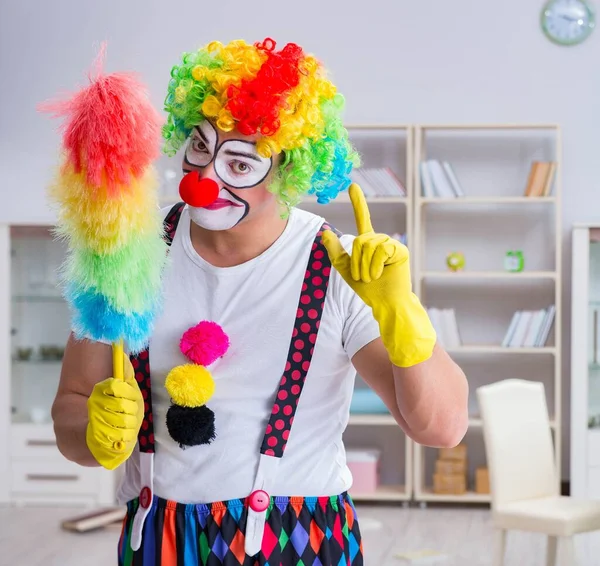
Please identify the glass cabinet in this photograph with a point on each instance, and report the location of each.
(585, 359)
(39, 322)
(585, 370)
(593, 330)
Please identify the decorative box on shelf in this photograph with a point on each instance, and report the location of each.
(450, 477)
(482, 481)
(364, 466)
(366, 401)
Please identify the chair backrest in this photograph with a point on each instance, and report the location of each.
(518, 441)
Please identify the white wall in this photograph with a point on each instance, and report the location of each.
(401, 61)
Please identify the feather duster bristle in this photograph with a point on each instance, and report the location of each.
(108, 210)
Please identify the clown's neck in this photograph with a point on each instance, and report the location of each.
(228, 248)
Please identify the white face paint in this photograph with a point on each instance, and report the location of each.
(202, 145)
(236, 165)
(225, 213)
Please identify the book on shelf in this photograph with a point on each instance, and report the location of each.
(529, 329)
(378, 182)
(446, 327)
(540, 179)
(439, 180)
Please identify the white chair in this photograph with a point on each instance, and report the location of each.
(523, 478)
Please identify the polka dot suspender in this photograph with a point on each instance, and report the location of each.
(141, 361)
(304, 337)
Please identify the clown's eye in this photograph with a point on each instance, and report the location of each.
(240, 168)
(199, 146)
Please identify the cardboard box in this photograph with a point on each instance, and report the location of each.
(482, 480)
(450, 484)
(457, 453)
(446, 467)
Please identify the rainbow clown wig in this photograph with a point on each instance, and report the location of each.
(284, 96)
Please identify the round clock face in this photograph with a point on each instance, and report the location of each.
(567, 22)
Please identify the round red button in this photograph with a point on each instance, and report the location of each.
(259, 501)
(145, 497)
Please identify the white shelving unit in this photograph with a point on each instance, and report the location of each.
(492, 164)
(34, 330)
(392, 146)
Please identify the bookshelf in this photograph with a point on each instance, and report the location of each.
(486, 216)
(381, 147)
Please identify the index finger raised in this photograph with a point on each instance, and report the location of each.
(361, 210)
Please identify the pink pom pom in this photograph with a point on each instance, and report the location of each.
(204, 343)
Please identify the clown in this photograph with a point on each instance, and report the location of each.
(229, 425)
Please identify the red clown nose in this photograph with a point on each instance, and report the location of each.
(198, 192)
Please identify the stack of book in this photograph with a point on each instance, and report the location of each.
(378, 182)
(446, 327)
(529, 329)
(439, 180)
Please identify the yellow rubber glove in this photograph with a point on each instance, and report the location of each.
(379, 273)
(115, 415)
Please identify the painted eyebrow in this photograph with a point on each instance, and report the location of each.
(201, 134)
(243, 154)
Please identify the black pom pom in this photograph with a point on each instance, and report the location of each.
(191, 426)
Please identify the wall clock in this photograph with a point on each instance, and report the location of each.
(567, 22)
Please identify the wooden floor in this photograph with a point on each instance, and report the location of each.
(32, 537)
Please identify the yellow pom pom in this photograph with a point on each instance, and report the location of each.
(190, 385)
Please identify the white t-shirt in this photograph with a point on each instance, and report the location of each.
(255, 303)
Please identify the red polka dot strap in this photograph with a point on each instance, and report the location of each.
(141, 361)
(172, 221)
(304, 337)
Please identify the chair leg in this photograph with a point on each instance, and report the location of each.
(567, 554)
(551, 551)
(500, 547)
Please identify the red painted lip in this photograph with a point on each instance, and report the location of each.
(221, 203)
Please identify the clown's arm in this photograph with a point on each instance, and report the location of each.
(422, 386)
(428, 400)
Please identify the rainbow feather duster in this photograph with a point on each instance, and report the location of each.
(108, 210)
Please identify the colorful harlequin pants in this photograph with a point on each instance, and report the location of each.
(308, 531)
